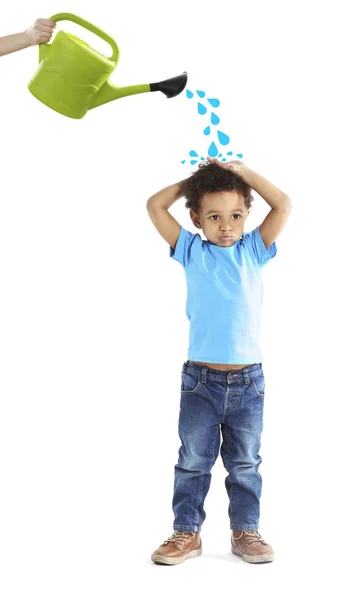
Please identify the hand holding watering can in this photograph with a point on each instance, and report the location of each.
(73, 77)
(39, 32)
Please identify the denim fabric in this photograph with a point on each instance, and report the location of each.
(215, 403)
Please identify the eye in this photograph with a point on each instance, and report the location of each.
(235, 215)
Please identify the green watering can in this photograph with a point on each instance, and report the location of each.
(72, 77)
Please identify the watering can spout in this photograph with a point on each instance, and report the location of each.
(170, 87)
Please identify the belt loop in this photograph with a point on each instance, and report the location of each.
(246, 377)
(203, 374)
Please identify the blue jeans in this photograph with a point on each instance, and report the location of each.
(214, 402)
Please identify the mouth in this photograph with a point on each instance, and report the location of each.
(225, 238)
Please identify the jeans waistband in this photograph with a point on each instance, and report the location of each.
(218, 375)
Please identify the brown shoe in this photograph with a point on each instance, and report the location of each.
(251, 546)
(178, 547)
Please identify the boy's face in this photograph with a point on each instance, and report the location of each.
(221, 214)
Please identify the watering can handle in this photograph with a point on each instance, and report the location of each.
(92, 28)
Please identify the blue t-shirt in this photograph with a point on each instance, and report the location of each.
(224, 296)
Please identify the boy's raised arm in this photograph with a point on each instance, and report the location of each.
(279, 202)
(157, 207)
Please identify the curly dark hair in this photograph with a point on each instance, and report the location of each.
(210, 177)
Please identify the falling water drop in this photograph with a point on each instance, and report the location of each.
(223, 138)
(193, 153)
(207, 130)
(229, 153)
(183, 161)
(200, 93)
(214, 119)
(202, 109)
(239, 155)
(189, 94)
(219, 155)
(192, 162)
(202, 158)
(214, 102)
(213, 150)
(223, 159)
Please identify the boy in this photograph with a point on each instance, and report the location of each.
(39, 32)
(222, 386)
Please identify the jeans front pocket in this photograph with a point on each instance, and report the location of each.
(258, 383)
(189, 382)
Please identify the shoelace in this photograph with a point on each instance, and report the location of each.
(252, 537)
(179, 537)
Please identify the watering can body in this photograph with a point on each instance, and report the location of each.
(72, 77)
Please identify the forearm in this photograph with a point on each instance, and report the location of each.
(269, 192)
(168, 195)
(13, 43)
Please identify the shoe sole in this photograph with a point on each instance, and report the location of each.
(170, 560)
(256, 558)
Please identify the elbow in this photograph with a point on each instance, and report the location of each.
(286, 203)
(148, 203)
(152, 204)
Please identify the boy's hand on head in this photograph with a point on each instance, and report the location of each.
(234, 165)
(40, 32)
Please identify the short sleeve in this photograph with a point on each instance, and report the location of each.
(262, 254)
(183, 247)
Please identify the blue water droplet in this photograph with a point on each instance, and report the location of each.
(239, 155)
(200, 93)
(213, 150)
(229, 153)
(214, 102)
(207, 130)
(223, 159)
(189, 94)
(193, 153)
(214, 119)
(192, 162)
(202, 158)
(183, 161)
(202, 109)
(223, 138)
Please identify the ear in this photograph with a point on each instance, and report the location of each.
(195, 219)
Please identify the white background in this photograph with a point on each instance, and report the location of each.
(93, 331)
